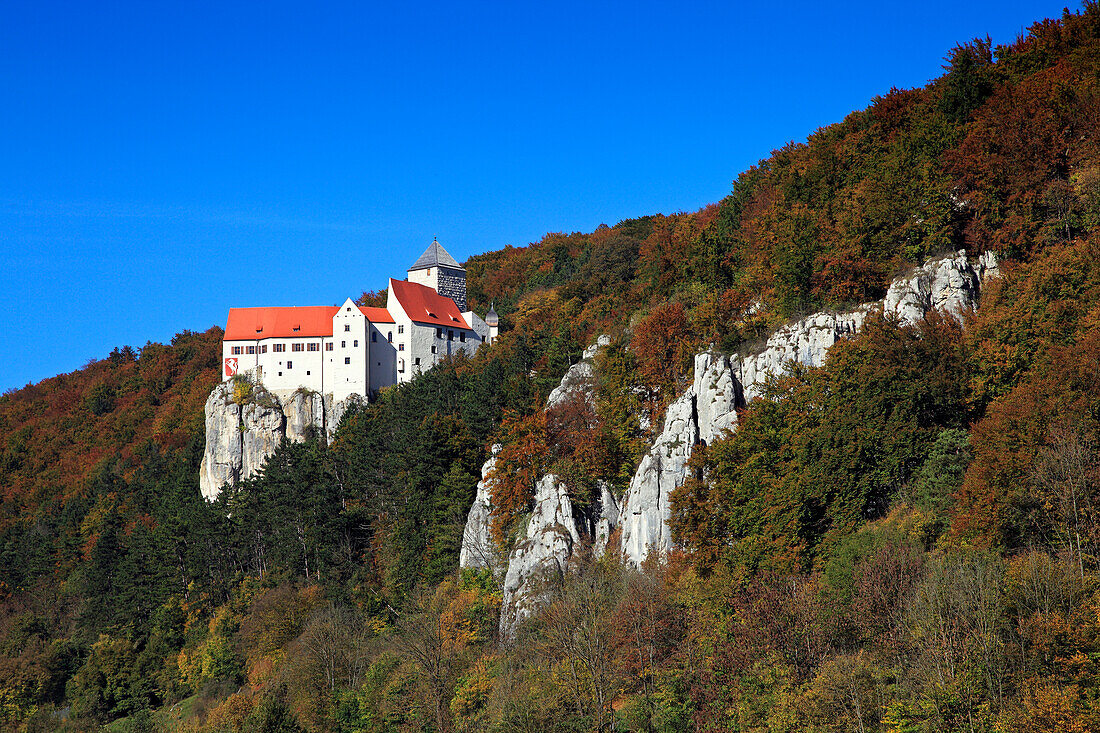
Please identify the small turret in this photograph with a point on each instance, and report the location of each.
(492, 320)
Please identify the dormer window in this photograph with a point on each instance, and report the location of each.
(297, 328)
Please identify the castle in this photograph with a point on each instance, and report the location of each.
(350, 349)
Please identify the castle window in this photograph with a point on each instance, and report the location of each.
(347, 327)
(314, 347)
(296, 347)
(251, 349)
(343, 344)
(389, 337)
(328, 346)
(400, 365)
(450, 335)
(401, 347)
(347, 359)
(439, 333)
(355, 343)
(433, 349)
(401, 328)
(236, 351)
(416, 362)
(462, 337)
(290, 365)
(263, 349)
(279, 348)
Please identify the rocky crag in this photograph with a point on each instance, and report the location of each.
(554, 532)
(245, 423)
(949, 284)
(721, 384)
(478, 549)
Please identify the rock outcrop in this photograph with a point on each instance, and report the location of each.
(542, 553)
(478, 549)
(555, 530)
(245, 423)
(805, 341)
(579, 381)
(703, 413)
(949, 284)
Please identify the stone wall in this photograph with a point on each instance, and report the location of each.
(452, 284)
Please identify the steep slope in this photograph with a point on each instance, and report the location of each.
(903, 537)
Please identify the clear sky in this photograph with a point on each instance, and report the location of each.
(160, 163)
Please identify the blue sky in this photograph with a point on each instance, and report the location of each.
(161, 164)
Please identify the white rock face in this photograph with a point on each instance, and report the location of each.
(579, 379)
(601, 341)
(305, 415)
(336, 414)
(646, 508)
(542, 554)
(806, 341)
(717, 395)
(221, 461)
(478, 549)
(950, 284)
(554, 532)
(607, 521)
(263, 429)
(240, 437)
(705, 412)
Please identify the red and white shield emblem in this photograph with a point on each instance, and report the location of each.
(231, 366)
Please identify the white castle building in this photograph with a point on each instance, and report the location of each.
(349, 349)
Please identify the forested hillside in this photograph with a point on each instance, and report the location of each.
(906, 538)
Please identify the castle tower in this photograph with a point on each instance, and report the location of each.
(442, 273)
(492, 320)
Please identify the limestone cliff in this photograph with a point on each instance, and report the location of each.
(478, 549)
(703, 413)
(245, 423)
(949, 284)
(543, 552)
(555, 530)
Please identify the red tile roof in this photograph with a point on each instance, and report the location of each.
(376, 315)
(311, 321)
(249, 324)
(424, 305)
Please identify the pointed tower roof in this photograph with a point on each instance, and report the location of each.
(435, 256)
